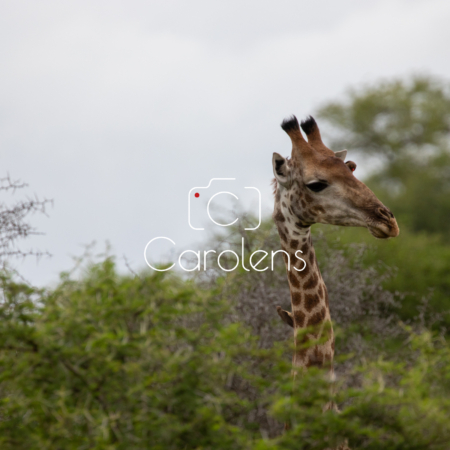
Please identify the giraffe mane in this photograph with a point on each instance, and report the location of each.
(274, 185)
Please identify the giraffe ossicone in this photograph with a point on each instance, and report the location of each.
(315, 185)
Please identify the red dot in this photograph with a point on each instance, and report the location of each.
(197, 195)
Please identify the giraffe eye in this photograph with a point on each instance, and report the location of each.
(317, 186)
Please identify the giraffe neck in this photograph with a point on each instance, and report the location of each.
(309, 296)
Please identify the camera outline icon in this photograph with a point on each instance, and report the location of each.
(222, 192)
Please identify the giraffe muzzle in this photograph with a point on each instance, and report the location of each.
(383, 225)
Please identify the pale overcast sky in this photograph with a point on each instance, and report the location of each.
(116, 109)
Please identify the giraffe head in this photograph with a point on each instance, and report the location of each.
(316, 186)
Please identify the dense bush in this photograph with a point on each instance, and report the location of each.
(123, 362)
(119, 362)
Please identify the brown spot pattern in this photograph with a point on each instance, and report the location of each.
(305, 271)
(301, 353)
(283, 236)
(295, 261)
(301, 340)
(294, 243)
(293, 279)
(316, 318)
(320, 291)
(311, 282)
(315, 359)
(311, 300)
(312, 362)
(278, 217)
(296, 298)
(299, 318)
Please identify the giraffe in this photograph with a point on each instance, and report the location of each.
(316, 186)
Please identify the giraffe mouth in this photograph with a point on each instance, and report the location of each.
(379, 234)
(384, 231)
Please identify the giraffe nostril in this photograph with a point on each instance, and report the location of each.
(384, 212)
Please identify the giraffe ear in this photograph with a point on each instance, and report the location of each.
(351, 165)
(280, 169)
(341, 154)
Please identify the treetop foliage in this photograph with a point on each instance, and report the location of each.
(394, 119)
